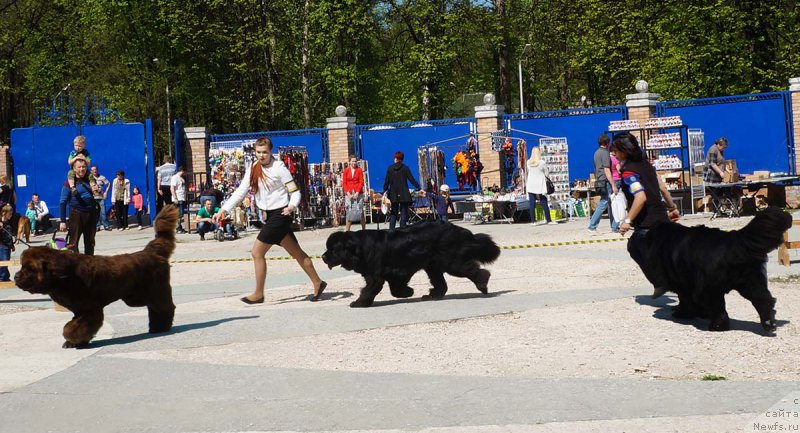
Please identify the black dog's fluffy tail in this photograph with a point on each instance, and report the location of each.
(165, 223)
(483, 248)
(765, 232)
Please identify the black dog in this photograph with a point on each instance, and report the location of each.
(703, 264)
(396, 255)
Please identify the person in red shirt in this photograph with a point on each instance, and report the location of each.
(353, 185)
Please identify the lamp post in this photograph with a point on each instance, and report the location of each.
(519, 66)
(169, 134)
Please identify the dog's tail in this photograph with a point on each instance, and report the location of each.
(165, 223)
(765, 232)
(483, 248)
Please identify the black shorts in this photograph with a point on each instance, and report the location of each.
(276, 227)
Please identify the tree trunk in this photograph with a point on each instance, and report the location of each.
(305, 86)
(504, 84)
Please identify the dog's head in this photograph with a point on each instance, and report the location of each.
(342, 249)
(43, 269)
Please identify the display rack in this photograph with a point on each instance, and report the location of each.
(665, 141)
(326, 200)
(554, 154)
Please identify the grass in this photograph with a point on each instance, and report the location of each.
(713, 377)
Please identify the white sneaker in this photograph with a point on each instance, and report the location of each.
(552, 223)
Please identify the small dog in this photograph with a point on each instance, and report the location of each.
(24, 229)
(86, 284)
(394, 256)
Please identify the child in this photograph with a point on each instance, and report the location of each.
(80, 152)
(32, 215)
(138, 204)
(6, 240)
(440, 202)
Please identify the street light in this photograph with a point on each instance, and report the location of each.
(519, 65)
(169, 144)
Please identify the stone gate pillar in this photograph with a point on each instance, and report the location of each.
(490, 119)
(641, 105)
(341, 135)
(197, 146)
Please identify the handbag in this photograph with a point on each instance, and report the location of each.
(550, 187)
(354, 212)
(619, 206)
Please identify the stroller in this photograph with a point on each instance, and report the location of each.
(226, 230)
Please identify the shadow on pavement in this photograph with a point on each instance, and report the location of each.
(175, 330)
(446, 297)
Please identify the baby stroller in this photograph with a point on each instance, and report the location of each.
(226, 230)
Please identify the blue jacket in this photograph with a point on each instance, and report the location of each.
(83, 202)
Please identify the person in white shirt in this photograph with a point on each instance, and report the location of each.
(164, 175)
(178, 191)
(43, 223)
(276, 192)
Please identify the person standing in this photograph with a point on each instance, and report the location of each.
(395, 186)
(121, 192)
(353, 185)
(138, 206)
(82, 209)
(43, 216)
(276, 192)
(178, 193)
(644, 191)
(536, 185)
(164, 174)
(7, 193)
(714, 171)
(100, 197)
(603, 184)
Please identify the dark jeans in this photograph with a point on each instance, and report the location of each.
(532, 205)
(204, 227)
(122, 214)
(164, 198)
(637, 248)
(402, 207)
(82, 224)
(139, 214)
(44, 224)
(5, 254)
(181, 210)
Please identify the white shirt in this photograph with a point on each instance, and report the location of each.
(536, 183)
(180, 187)
(41, 208)
(164, 173)
(276, 189)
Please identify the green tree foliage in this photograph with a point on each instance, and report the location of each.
(245, 65)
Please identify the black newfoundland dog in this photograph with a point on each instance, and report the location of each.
(396, 255)
(702, 264)
(86, 284)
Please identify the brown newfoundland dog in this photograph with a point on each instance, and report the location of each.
(394, 256)
(86, 284)
(703, 264)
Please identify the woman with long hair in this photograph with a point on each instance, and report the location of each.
(537, 186)
(275, 192)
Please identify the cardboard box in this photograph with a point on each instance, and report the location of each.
(593, 202)
(730, 171)
(772, 195)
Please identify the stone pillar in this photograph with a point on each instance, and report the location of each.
(490, 120)
(5, 162)
(341, 135)
(198, 143)
(794, 87)
(641, 105)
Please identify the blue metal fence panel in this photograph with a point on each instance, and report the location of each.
(580, 126)
(758, 127)
(178, 143)
(314, 140)
(378, 143)
(40, 154)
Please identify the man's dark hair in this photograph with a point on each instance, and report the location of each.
(603, 140)
(400, 156)
(627, 143)
(722, 141)
(121, 172)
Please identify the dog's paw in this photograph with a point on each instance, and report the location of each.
(432, 296)
(720, 324)
(770, 325)
(360, 303)
(482, 281)
(71, 345)
(403, 293)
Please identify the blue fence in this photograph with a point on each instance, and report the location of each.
(314, 140)
(758, 127)
(40, 158)
(378, 143)
(581, 127)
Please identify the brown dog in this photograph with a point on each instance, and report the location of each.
(86, 284)
(24, 229)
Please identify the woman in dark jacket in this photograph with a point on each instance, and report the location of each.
(396, 188)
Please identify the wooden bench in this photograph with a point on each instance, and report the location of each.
(783, 250)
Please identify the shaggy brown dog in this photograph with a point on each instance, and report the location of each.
(86, 284)
(24, 229)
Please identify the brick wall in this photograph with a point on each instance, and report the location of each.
(340, 144)
(491, 160)
(5, 162)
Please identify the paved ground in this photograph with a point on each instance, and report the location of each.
(468, 363)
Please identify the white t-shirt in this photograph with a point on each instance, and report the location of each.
(180, 187)
(276, 190)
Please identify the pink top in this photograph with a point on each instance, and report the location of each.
(615, 174)
(137, 201)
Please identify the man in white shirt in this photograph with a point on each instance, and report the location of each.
(43, 216)
(178, 191)
(164, 175)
